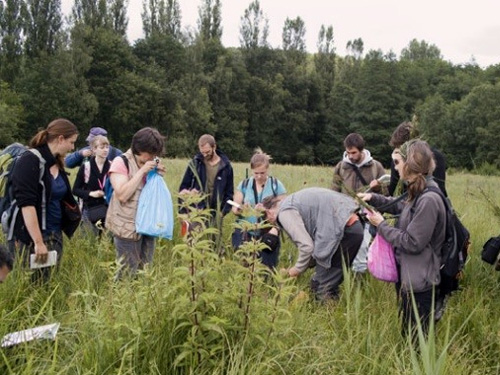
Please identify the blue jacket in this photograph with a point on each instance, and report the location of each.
(75, 159)
(223, 184)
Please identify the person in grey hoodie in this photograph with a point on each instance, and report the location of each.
(418, 236)
(325, 227)
(356, 172)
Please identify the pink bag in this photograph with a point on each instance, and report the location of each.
(381, 260)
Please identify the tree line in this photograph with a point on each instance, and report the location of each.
(295, 105)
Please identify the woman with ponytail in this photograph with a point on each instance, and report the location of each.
(418, 236)
(43, 195)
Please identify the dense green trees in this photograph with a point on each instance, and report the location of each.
(295, 104)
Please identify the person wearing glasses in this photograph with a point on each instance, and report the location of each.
(127, 174)
(403, 133)
(417, 237)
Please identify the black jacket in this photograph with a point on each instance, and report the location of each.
(82, 189)
(223, 184)
(28, 192)
(439, 173)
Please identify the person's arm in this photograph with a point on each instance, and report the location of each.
(394, 179)
(416, 236)
(238, 198)
(187, 179)
(79, 184)
(124, 188)
(76, 158)
(337, 179)
(292, 223)
(31, 222)
(228, 191)
(439, 173)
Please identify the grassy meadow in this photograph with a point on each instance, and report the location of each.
(192, 312)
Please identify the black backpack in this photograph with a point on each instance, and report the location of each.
(8, 206)
(455, 247)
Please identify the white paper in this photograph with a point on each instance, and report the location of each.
(233, 203)
(51, 260)
(47, 332)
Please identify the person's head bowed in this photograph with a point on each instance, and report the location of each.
(415, 163)
(403, 133)
(148, 141)
(259, 164)
(271, 205)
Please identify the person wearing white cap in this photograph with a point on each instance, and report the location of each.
(76, 158)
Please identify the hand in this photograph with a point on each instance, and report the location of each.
(293, 272)
(259, 206)
(41, 253)
(161, 168)
(148, 166)
(366, 197)
(86, 153)
(374, 184)
(188, 191)
(96, 194)
(375, 218)
(274, 231)
(236, 210)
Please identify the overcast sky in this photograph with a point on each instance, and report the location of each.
(462, 30)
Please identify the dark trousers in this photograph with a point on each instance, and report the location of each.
(409, 319)
(269, 258)
(53, 241)
(326, 281)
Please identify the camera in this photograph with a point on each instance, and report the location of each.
(156, 159)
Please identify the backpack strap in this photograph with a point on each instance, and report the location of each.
(125, 160)
(358, 173)
(274, 185)
(244, 186)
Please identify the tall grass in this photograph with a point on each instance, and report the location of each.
(241, 321)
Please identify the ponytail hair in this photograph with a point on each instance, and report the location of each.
(259, 158)
(54, 130)
(419, 165)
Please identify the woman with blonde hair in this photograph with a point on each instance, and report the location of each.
(43, 194)
(251, 192)
(419, 234)
(90, 181)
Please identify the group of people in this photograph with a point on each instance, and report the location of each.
(324, 224)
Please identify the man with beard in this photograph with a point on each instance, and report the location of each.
(356, 172)
(210, 173)
(357, 169)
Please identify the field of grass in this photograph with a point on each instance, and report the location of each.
(192, 312)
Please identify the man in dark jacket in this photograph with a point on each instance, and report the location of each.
(210, 172)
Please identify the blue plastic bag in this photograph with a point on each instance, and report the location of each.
(155, 212)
